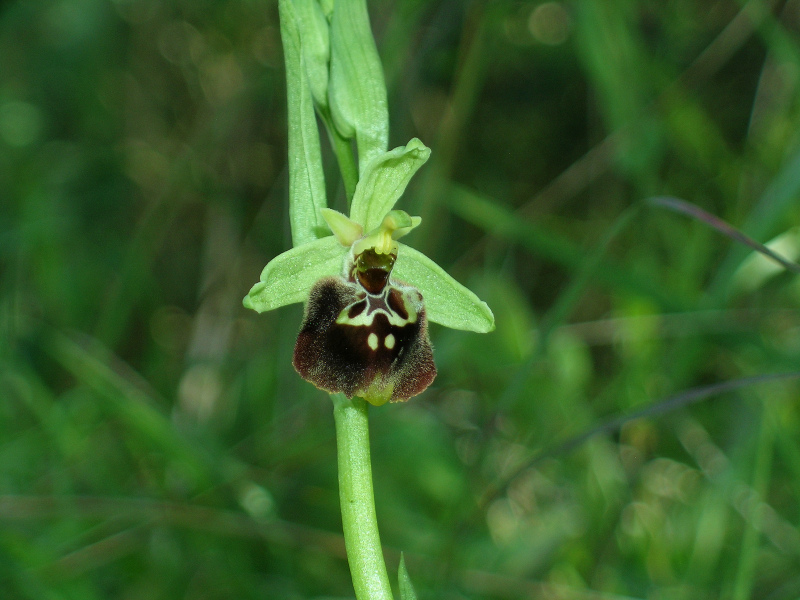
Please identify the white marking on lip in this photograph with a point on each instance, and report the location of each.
(412, 303)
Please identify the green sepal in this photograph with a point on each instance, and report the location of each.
(288, 277)
(315, 42)
(404, 581)
(384, 181)
(357, 92)
(447, 302)
(306, 179)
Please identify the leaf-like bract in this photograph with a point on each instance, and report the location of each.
(315, 42)
(404, 581)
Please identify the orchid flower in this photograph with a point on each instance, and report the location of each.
(368, 297)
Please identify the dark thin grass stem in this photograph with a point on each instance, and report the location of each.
(662, 407)
(691, 210)
(665, 406)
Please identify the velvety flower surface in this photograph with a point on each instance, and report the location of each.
(366, 335)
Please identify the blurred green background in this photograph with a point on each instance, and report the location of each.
(155, 441)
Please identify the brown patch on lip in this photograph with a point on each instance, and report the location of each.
(356, 309)
(395, 301)
(372, 270)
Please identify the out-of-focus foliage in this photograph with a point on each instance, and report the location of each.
(154, 439)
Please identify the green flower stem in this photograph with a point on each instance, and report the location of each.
(361, 539)
(343, 149)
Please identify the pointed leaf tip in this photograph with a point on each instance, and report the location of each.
(404, 581)
(247, 301)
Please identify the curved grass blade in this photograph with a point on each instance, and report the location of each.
(725, 228)
(540, 241)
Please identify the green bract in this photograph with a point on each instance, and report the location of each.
(289, 277)
(315, 43)
(306, 178)
(357, 91)
(406, 588)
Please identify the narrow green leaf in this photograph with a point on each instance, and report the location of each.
(384, 181)
(306, 179)
(406, 588)
(315, 42)
(288, 277)
(357, 92)
(447, 302)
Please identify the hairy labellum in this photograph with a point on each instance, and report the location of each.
(366, 335)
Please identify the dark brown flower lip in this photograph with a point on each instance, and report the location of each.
(360, 344)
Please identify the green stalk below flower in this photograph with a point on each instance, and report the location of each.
(359, 522)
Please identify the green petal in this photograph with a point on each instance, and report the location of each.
(306, 180)
(289, 276)
(345, 230)
(384, 181)
(447, 302)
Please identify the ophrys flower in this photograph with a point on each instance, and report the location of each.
(368, 297)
